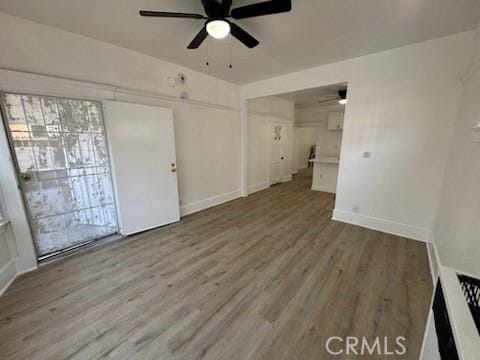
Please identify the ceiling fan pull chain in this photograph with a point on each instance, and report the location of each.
(207, 62)
(230, 49)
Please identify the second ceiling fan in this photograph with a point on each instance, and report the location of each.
(217, 13)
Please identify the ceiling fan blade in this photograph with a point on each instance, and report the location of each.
(263, 8)
(244, 37)
(328, 100)
(171, 14)
(197, 41)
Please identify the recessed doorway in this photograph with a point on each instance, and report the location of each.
(318, 130)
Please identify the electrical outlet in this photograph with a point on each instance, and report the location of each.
(356, 209)
(367, 154)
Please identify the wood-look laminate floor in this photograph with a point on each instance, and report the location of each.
(265, 277)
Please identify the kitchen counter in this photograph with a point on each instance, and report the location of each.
(325, 171)
(325, 160)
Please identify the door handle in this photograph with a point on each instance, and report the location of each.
(26, 176)
(281, 158)
(172, 167)
(173, 170)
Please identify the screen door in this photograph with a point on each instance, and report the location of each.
(61, 156)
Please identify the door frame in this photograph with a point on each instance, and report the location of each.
(13, 155)
(16, 169)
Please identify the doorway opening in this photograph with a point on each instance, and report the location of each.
(319, 115)
(296, 133)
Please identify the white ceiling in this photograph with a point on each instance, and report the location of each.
(316, 32)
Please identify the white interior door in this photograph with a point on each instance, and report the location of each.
(276, 152)
(142, 146)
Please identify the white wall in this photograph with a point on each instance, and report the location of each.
(261, 113)
(8, 268)
(328, 141)
(38, 48)
(304, 139)
(207, 126)
(315, 115)
(5, 256)
(457, 227)
(18, 229)
(401, 107)
(8, 251)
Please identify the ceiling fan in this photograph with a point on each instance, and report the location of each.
(341, 98)
(217, 13)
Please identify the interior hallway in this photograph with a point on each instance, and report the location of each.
(264, 277)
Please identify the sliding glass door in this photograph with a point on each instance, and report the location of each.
(61, 156)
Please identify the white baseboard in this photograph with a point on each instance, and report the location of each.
(434, 254)
(319, 188)
(258, 187)
(287, 178)
(25, 266)
(209, 202)
(11, 271)
(8, 273)
(387, 226)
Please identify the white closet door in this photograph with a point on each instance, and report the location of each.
(142, 148)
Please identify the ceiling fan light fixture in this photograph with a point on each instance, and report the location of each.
(218, 29)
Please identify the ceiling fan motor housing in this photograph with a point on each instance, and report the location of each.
(217, 10)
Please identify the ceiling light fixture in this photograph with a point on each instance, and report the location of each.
(343, 96)
(218, 29)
